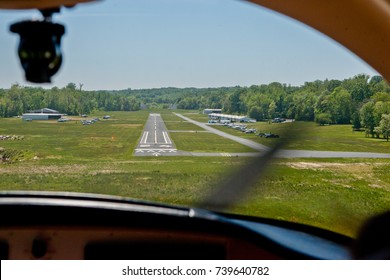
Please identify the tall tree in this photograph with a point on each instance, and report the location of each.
(367, 117)
(384, 126)
(358, 87)
(340, 106)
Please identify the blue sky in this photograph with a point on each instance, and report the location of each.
(119, 44)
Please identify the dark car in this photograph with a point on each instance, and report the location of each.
(278, 120)
(271, 135)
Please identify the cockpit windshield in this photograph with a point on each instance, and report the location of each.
(168, 101)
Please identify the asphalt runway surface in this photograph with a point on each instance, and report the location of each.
(155, 140)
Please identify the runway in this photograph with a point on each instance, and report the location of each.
(155, 139)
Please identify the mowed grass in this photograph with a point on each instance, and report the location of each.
(196, 116)
(177, 180)
(176, 123)
(207, 142)
(336, 194)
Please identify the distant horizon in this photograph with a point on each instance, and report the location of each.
(46, 86)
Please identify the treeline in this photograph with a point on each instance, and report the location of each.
(68, 100)
(361, 100)
(329, 101)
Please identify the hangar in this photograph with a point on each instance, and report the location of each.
(42, 114)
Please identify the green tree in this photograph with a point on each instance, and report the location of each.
(71, 86)
(322, 104)
(367, 117)
(384, 126)
(358, 87)
(303, 106)
(378, 84)
(323, 118)
(381, 96)
(340, 106)
(256, 113)
(15, 101)
(355, 120)
(381, 108)
(271, 110)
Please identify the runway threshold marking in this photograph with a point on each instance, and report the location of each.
(144, 137)
(167, 139)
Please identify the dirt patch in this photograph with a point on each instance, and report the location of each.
(305, 165)
(354, 171)
(126, 125)
(143, 178)
(11, 137)
(105, 171)
(340, 182)
(376, 186)
(43, 169)
(53, 157)
(140, 161)
(352, 167)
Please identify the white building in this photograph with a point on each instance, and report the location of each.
(232, 118)
(42, 114)
(210, 111)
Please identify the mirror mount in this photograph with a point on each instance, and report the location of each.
(39, 47)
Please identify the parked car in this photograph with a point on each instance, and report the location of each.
(278, 120)
(271, 135)
(250, 130)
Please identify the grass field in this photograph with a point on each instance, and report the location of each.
(207, 142)
(114, 138)
(337, 194)
(173, 122)
(310, 136)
